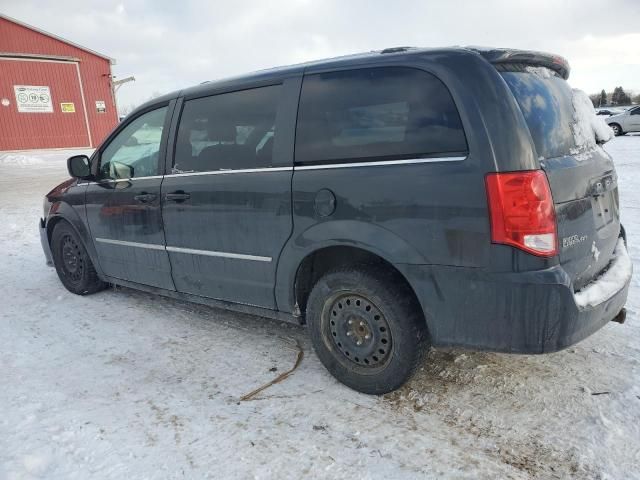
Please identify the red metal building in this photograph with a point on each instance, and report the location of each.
(53, 93)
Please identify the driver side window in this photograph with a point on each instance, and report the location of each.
(134, 151)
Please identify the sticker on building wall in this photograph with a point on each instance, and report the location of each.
(33, 99)
(68, 107)
(5, 102)
(101, 107)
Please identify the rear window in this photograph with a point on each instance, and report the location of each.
(376, 113)
(546, 101)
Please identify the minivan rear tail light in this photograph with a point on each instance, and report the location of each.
(521, 211)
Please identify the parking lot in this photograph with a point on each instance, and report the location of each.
(123, 384)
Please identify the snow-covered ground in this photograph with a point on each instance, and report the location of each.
(125, 385)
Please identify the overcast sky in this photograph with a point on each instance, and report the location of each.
(170, 44)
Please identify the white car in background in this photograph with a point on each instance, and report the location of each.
(609, 111)
(625, 122)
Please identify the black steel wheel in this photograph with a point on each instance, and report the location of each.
(366, 327)
(72, 262)
(359, 330)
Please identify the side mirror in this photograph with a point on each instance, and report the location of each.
(79, 166)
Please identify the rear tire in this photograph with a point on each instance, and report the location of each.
(617, 129)
(72, 262)
(367, 328)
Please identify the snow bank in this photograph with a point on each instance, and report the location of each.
(588, 127)
(610, 282)
(121, 384)
(21, 160)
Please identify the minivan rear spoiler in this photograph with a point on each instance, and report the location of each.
(496, 56)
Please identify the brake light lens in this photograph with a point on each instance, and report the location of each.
(522, 212)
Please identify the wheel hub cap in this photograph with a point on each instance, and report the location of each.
(71, 257)
(359, 330)
(70, 260)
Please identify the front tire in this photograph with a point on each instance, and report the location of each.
(367, 328)
(72, 262)
(617, 129)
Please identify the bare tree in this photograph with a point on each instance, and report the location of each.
(126, 109)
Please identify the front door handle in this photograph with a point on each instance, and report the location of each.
(177, 196)
(145, 197)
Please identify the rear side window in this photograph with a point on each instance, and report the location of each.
(229, 131)
(546, 101)
(376, 113)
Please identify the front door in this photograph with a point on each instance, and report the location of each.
(634, 120)
(227, 201)
(123, 205)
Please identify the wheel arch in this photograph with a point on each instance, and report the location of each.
(322, 260)
(299, 268)
(617, 124)
(52, 222)
(361, 236)
(65, 212)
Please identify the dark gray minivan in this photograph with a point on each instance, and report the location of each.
(390, 201)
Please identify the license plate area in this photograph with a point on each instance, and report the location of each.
(604, 201)
(604, 210)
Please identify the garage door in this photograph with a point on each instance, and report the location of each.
(41, 105)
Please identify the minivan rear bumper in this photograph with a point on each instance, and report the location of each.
(526, 312)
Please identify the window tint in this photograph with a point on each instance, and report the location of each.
(134, 151)
(635, 111)
(376, 112)
(227, 131)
